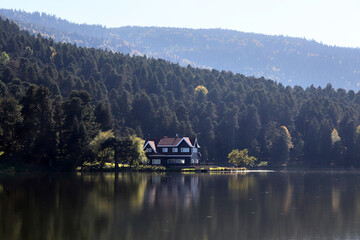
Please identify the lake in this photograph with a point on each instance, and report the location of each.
(256, 205)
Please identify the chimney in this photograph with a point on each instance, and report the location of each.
(177, 135)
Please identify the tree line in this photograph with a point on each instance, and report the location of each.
(275, 57)
(57, 97)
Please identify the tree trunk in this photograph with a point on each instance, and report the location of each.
(116, 159)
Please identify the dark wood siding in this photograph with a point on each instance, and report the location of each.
(165, 156)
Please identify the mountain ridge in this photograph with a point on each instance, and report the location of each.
(289, 60)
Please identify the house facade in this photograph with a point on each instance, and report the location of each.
(178, 151)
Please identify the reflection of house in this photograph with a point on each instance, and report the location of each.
(173, 191)
(172, 151)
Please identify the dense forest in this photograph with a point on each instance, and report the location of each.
(291, 61)
(57, 97)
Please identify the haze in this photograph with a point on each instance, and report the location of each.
(328, 21)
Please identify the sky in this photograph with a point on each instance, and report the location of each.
(331, 22)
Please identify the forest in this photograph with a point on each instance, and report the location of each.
(56, 98)
(291, 61)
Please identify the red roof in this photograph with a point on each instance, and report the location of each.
(173, 141)
(152, 145)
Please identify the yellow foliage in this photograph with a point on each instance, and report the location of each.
(28, 50)
(100, 138)
(201, 89)
(4, 58)
(288, 137)
(139, 143)
(53, 52)
(358, 130)
(238, 158)
(97, 142)
(335, 136)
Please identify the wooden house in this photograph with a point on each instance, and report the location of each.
(178, 151)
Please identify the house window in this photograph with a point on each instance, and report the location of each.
(165, 150)
(156, 161)
(175, 150)
(194, 150)
(185, 149)
(148, 150)
(176, 161)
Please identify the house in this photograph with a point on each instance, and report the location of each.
(178, 151)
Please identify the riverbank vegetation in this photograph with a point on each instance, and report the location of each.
(58, 101)
(241, 158)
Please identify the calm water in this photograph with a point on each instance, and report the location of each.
(174, 206)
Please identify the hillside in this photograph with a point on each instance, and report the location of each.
(57, 97)
(291, 61)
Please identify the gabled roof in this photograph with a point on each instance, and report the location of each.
(173, 142)
(187, 140)
(152, 145)
(195, 142)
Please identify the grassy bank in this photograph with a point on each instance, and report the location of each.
(110, 167)
(15, 165)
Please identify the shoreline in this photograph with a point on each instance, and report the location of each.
(16, 167)
(20, 167)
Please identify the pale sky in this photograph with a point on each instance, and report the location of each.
(328, 21)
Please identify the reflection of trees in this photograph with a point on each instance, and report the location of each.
(296, 206)
(335, 199)
(46, 207)
(239, 185)
(86, 206)
(288, 197)
(175, 206)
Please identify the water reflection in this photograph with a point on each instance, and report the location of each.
(176, 191)
(175, 206)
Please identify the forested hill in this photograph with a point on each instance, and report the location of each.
(292, 61)
(55, 98)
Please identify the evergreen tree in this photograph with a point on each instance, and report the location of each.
(103, 116)
(10, 121)
(48, 118)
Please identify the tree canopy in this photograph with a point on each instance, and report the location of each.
(241, 158)
(57, 97)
